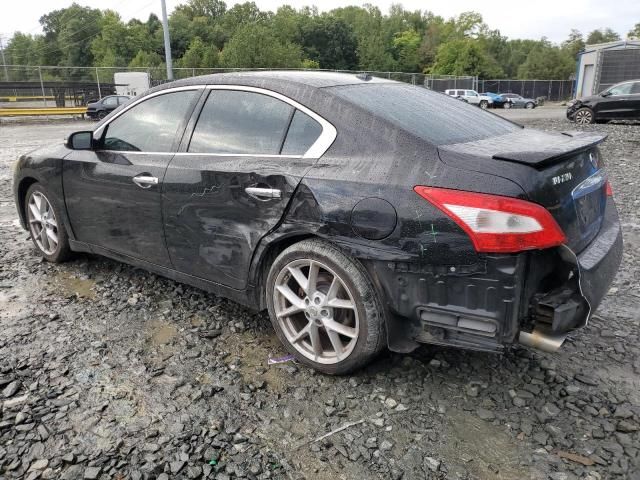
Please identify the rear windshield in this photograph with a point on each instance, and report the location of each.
(437, 118)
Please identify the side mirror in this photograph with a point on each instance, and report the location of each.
(605, 94)
(80, 141)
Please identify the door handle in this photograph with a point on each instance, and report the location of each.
(145, 181)
(262, 193)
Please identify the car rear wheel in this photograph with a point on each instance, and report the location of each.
(584, 116)
(101, 115)
(324, 308)
(484, 104)
(530, 105)
(45, 225)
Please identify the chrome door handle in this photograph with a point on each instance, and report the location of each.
(145, 181)
(263, 192)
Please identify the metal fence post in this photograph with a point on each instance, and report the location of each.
(98, 82)
(44, 99)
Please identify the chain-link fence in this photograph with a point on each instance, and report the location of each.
(47, 86)
(551, 90)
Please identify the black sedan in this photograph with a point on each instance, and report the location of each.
(106, 105)
(620, 102)
(361, 213)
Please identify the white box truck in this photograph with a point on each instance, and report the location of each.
(131, 83)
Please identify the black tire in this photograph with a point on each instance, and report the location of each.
(62, 251)
(584, 116)
(371, 337)
(530, 105)
(101, 115)
(484, 104)
(506, 105)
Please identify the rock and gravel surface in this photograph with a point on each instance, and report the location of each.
(108, 372)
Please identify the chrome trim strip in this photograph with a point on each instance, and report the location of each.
(320, 146)
(134, 152)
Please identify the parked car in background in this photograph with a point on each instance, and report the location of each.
(620, 102)
(103, 107)
(471, 231)
(513, 100)
(471, 96)
(498, 100)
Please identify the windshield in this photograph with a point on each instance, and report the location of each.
(437, 118)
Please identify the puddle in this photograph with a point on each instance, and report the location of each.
(68, 285)
(163, 333)
(253, 350)
(491, 452)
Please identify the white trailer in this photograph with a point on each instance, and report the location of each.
(131, 83)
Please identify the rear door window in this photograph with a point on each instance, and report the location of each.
(303, 132)
(635, 89)
(239, 122)
(624, 89)
(110, 101)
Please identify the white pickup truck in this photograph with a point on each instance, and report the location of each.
(471, 96)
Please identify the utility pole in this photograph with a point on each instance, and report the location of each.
(167, 41)
(4, 62)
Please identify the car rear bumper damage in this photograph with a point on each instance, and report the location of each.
(533, 298)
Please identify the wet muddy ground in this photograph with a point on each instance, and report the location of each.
(111, 372)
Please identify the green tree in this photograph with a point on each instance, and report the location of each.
(199, 55)
(546, 62)
(465, 57)
(257, 46)
(146, 59)
(574, 43)
(602, 35)
(406, 46)
(634, 33)
(331, 42)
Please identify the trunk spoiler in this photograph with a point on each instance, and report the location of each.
(543, 155)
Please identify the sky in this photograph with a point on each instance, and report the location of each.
(549, 18)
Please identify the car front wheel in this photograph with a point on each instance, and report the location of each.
(324, 308)
(45, 225)
(484, 104)
(507, 105)
(530, 105)
(584, 116)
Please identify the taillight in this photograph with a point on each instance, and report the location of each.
(495, 223)
(608, 189)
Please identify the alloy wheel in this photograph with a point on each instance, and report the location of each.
(584, 117)
(42, 223)
(316, 311)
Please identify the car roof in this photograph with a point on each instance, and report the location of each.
(299, 77)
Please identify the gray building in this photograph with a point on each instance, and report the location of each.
(605, 64)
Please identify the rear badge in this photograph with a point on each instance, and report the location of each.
(565, 177)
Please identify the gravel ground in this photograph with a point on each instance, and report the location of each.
(110, 372)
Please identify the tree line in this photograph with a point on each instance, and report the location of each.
(208, 34)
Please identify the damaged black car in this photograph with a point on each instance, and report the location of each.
(362, 213)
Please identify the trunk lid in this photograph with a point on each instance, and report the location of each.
(562, 172)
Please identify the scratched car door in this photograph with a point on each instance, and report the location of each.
(232, 180)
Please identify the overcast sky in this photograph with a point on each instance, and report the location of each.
(515, 19)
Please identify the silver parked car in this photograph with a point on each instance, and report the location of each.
(518, 101)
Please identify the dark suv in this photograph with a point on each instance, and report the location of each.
(106, 105)
(620, 102)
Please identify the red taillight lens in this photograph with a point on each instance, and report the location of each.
(608, 189)
(496, 223)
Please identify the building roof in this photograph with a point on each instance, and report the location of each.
(612, 45)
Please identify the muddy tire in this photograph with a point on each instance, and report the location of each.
(45, 224)
(324, 308)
